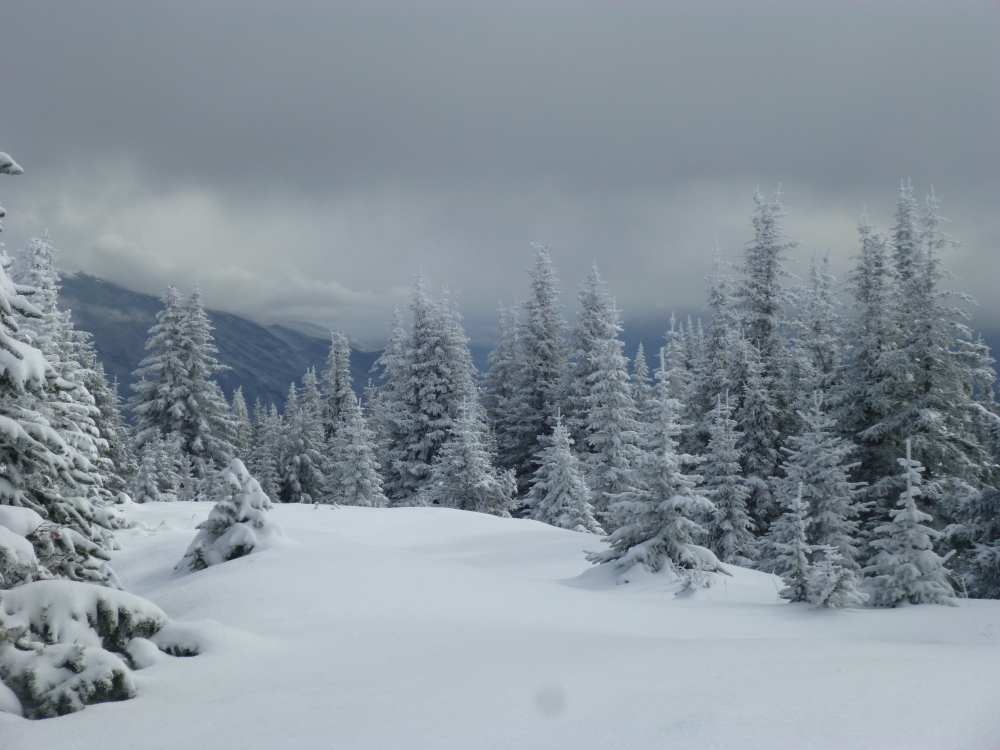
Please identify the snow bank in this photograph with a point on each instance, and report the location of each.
(411, 628)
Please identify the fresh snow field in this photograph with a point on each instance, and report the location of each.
(432, 628)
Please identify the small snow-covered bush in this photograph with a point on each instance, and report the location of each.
(66, 644)
(232, 527)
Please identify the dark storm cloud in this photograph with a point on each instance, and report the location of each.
(449, 134)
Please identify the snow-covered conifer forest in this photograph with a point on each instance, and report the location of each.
(754, 543)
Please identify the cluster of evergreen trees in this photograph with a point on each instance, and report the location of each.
(827, 441)
(848, 445)
(64, 450)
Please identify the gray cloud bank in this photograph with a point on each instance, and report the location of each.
(306, 160)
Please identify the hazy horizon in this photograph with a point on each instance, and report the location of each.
(307, 161)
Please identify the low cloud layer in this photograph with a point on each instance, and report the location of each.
(307, 161)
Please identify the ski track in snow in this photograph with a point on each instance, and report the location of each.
(433, 628)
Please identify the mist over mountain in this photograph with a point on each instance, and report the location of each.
(263, 359)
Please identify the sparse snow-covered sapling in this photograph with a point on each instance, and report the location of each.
(234, 524)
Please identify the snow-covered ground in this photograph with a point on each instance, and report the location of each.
(429, 628)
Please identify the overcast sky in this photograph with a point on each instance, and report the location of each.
(306, 159)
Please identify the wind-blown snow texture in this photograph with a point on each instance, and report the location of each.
(436, 628)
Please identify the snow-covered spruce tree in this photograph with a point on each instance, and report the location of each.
(935, 364)
(906, 569)
(598, 320)
(976, 536)
(603, 394)
(463, 475)
(786, 549)
(653, 521)
(813, 573)
(833, 584)
(242, 431)
(175, 397)
(760, 299)
(818, 347)
(391, 415)
(354, 477)
(730, 528)
(120, 464)
(717, 368)
(67, 405)
(431, 382)
(158, 478)
(816, 463)
(267, 458)
(642, 386)
(501, 385)
(302, 444)
(559, 494)
(758, 420)
(234, 524)
(147, 487)
(338, 396)
(543, 357)
(867, 393)
(39, 469)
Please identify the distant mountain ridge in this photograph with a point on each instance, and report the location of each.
(263, 359)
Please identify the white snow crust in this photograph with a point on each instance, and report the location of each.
(435, 628)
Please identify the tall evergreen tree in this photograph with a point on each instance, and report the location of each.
(642, 387)
(603, 395)
(338, 395)
(175, 398)
(758, 421)
(787, 549)
(730, 528)
(392, 415)
(431, 382)
(242, 431)
(816, 464)
(38, 468)
(818, 348)
(717, 367)
(463, 475)
(302, 444)
(68, 405)
(502, 386)
(654, 520)
(354, 477)
(867, 394)
(267, 458)
(934, 363)
(761, 298)
(559, 494)
(543, 361)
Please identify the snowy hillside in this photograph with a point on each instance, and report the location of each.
(437, 628)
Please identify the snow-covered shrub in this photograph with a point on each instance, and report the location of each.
(832, 584)
(65, 644)
(231, 529)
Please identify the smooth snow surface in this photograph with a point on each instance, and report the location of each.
(432, 628)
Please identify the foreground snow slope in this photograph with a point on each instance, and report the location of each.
(429, 628)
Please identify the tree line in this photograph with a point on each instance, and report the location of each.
(844, 436)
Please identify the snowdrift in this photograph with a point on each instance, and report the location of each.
(433, 628)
